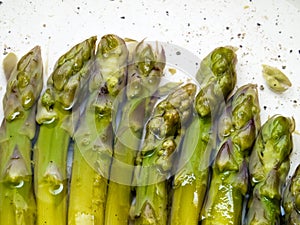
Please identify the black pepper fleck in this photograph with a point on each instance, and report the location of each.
(1, 2)
(295, 101)
(189, 24)
(178, 53)
(291, 51)
(122, 17)
(258, 24)
(167, 13)
(265, 107)
(299, 51)
(204, 18)
(227, 28)
(261, 87)
(283, 67)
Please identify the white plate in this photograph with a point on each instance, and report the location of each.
(266, 32)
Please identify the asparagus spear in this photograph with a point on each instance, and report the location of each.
(216, 73)
(144, 75)
(17, 203)
(64, 88)
(269, 165)
(291, 200)
(94, 135)
(237, 129)
(164, 132)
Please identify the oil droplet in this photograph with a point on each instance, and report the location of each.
(18, 185)
(255, 180)
(27, 101)
(56, 189)
(85, 141)
(49, 121)
(195, 200)
(95, 148)
(14, 115)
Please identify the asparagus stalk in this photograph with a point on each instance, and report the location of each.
(164, 132)
(94, 135)
(17, 203)
(237, 129)
(269, 165)
(217, 77)
(144, 73)
(64, 88)
(291, 199)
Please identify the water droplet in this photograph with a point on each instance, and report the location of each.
(56, 189)
(14, 115)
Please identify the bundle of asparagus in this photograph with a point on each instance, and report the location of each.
(237, 129)
(113, 183)
(64, 91)
(269, 166)
(217, 77)
(25, 82)
(94, 134)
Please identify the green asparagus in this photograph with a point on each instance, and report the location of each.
(268, 166)
(17, 203)
(291, 199)
(237, 128)
(164, 133)
(64, 88)
(144, 73)
(94, 135)
(217, 77)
